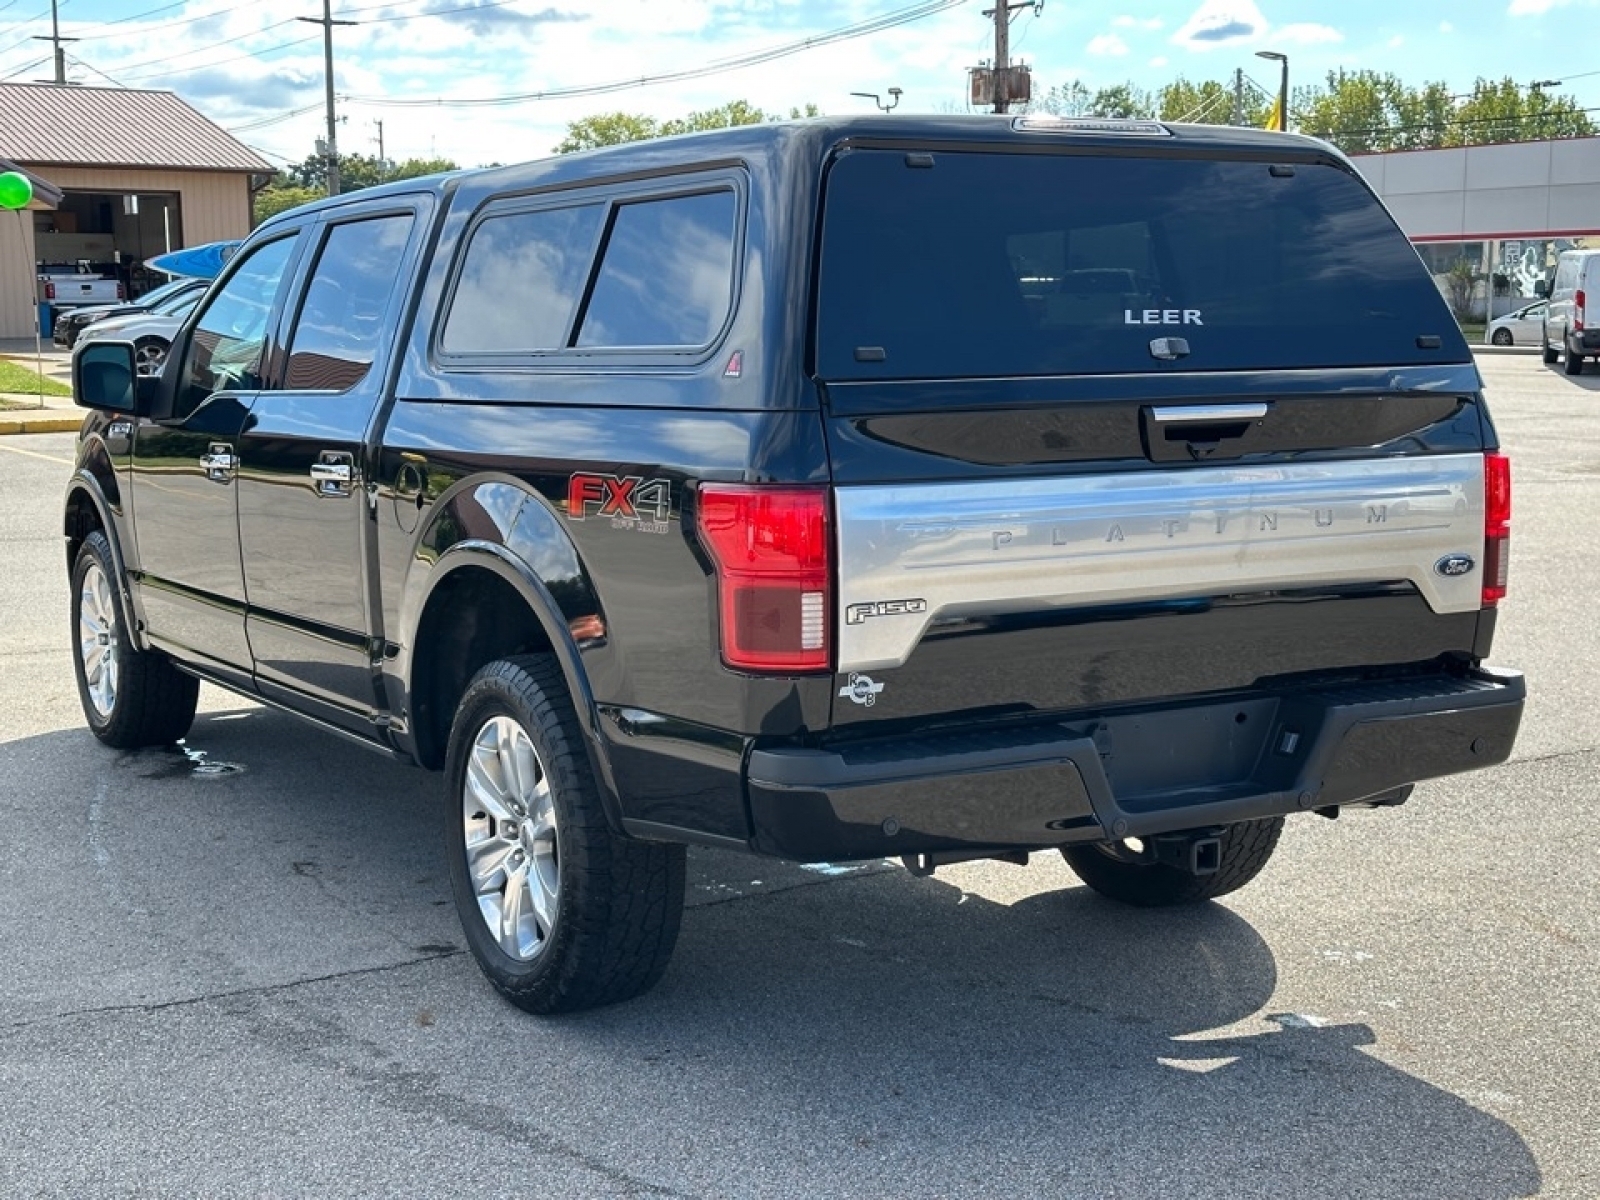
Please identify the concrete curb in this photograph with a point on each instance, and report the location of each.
(39, 420)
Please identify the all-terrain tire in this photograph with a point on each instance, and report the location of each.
(1113, 870)
(560, 912)
(131, 697)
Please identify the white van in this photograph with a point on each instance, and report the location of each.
(1572, 322)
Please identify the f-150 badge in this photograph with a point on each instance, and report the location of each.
(627, 501)
(861, 689)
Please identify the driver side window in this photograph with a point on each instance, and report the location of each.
(226, 348)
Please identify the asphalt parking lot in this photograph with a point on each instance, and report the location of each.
(237, 970)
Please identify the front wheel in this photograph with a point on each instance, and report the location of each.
(560, 912)
(1501, 337)
(1574, 363)
(131, 697)
(1550, 354)
(1126, 871)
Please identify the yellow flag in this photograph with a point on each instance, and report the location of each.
(1275, 118)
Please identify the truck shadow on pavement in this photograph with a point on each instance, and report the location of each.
(829, 1034)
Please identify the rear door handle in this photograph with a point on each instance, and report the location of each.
(333, 473)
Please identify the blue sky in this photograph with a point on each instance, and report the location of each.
(256, 71)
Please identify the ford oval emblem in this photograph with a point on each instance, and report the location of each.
(1452, 565)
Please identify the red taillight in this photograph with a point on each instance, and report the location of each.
(121, 295)
(770, 548)
(1577, 310)
(1496, 526)
(49, 291)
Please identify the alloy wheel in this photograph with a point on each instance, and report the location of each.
(97, 639)
(512, 843)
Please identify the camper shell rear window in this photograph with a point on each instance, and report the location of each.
(961, 263)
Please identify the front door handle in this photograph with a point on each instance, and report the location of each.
(333, 473)
(219, 462)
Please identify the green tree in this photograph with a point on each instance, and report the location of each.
(617, 128)
(1076, 100)
(308, 180)
(1502, 111)
(1209, 103)
(1358, 111)
(1361, 111)
(280, 196)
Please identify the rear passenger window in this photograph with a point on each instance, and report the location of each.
(521, 281)
(341, 322)
(667, 275)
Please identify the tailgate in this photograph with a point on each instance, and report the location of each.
(1167, 423)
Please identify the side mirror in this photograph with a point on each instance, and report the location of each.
(103, 377)
(1541, 288)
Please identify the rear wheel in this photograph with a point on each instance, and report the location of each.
(560, 912)
(130, 697)
(1573, 364)
(1501, 337)
(1128, 872)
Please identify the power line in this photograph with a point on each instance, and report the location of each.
(28, 21)
(1461, 122)
(277, 120)
(155, 62)
(164, 24)
(28, 67)
(872, 25)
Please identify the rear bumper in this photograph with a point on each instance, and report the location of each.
(1133, 774)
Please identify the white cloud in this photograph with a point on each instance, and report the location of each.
(1446, 27)
(1107, 45)
(1138, 22)
(1220, 23)
(1533, 8)
(1307, 35)
(1396, 42)
(1159, 61)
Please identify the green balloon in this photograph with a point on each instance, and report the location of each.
(16, 189)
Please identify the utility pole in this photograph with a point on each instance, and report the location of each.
(1000, 73)
(383, 168)
(327, 22)
(57, 39)
(1238, 96)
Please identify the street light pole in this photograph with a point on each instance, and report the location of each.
(1283, 85)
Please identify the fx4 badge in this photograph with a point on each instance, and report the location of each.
(856, 614)
(861, 689)
(627, 501)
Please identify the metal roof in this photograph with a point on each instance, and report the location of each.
(114, 127)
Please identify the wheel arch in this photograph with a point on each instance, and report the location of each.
(93, 502)
(494, 574)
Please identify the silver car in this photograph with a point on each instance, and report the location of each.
(151, 333)
(1524, 327)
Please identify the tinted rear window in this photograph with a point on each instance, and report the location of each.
(1012, 264)
(666, 277)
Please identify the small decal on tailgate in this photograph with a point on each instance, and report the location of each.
(861, 689)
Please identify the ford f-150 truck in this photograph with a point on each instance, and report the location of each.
(924, 488)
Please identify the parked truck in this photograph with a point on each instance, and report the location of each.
(921, 488)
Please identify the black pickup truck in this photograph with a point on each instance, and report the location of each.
(929, 488)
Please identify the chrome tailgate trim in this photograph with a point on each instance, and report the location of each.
(910, 554)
